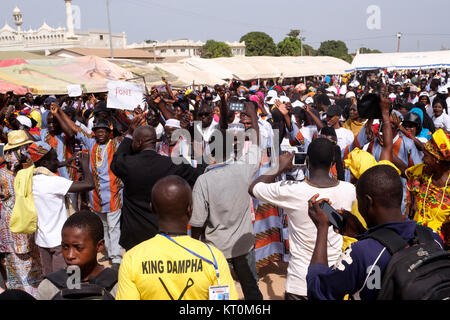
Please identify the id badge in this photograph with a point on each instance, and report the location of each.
(219, 293)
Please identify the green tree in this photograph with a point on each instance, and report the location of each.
(367, 50)
(334, 48)
(289, 47)
(294, 33)
(308, 50)
(215, 49)
(258, 44)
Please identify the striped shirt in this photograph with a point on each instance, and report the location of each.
(64, 150)
(107, 194)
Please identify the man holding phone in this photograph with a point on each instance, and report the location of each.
(379, 192)
(293, 196)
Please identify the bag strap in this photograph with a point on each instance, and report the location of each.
(58, 278)
(422, 235)
(388, 238)
(107, 278)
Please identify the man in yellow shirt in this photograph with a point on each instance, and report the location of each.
(173, 265)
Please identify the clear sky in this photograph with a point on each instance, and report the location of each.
(424, 24)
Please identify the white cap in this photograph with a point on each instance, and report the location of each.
(271, 94)
(309, 100)
(442, 89)
(407, 81)
(174, 123)
(285, 99)
(297, 103)
(392, 96)
(424, 93)
(25, 121)
(332, 89)
(272, 100)
(354, 84)
(217, 98)
(350, 94)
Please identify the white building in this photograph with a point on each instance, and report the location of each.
(48, 39)
(183, 48)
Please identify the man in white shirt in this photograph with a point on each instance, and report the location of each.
(344, 136)
(293, 197)
(205, 127)
(49, 195)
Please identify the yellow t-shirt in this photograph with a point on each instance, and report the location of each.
(158, 267)
(36, 116)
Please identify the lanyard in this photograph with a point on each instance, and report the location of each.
(198, 256)
(217, 167)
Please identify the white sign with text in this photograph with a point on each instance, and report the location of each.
(74, 90)
(124, 95)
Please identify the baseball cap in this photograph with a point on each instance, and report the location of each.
(309, 100)
(332, 89)
(443, 90)
(297, 103)
(271, 94)
(25, 121)
(50, 99)
(174, 123)
(350, 94)
(285, 99)
(354, 84)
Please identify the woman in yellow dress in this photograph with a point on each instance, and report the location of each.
(428, 183)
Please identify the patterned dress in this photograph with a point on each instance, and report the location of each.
(433, 203)
(23, 264)
(270, 246)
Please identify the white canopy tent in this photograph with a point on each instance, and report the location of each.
(212, 71)
(401, 60)
(190, 74)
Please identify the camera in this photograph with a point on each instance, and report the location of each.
(238, 106)
(369, 106)
(335, 218)
(299, 159)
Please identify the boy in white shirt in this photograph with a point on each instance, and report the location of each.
(49, 195)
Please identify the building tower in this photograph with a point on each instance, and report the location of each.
(69, 17)
(17, 15)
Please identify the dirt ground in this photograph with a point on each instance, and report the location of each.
(271, 281)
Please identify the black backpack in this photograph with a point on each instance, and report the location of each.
(418, 270)
(97, 288)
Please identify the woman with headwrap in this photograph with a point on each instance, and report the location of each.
(428, 183)
(413, 124)
(22, 259)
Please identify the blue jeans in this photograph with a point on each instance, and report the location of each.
(245, 269)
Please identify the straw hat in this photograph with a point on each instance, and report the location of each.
(17, 138)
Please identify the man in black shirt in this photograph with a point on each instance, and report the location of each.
(139, 167)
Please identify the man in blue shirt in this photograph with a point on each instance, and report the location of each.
(379, 194)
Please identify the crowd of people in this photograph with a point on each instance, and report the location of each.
(197, 187)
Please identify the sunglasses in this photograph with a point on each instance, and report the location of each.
(204, 114)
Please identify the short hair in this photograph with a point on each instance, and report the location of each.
(322, 99)
(88, 221)
(321, 153)
(383, 184)
(328, 131)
